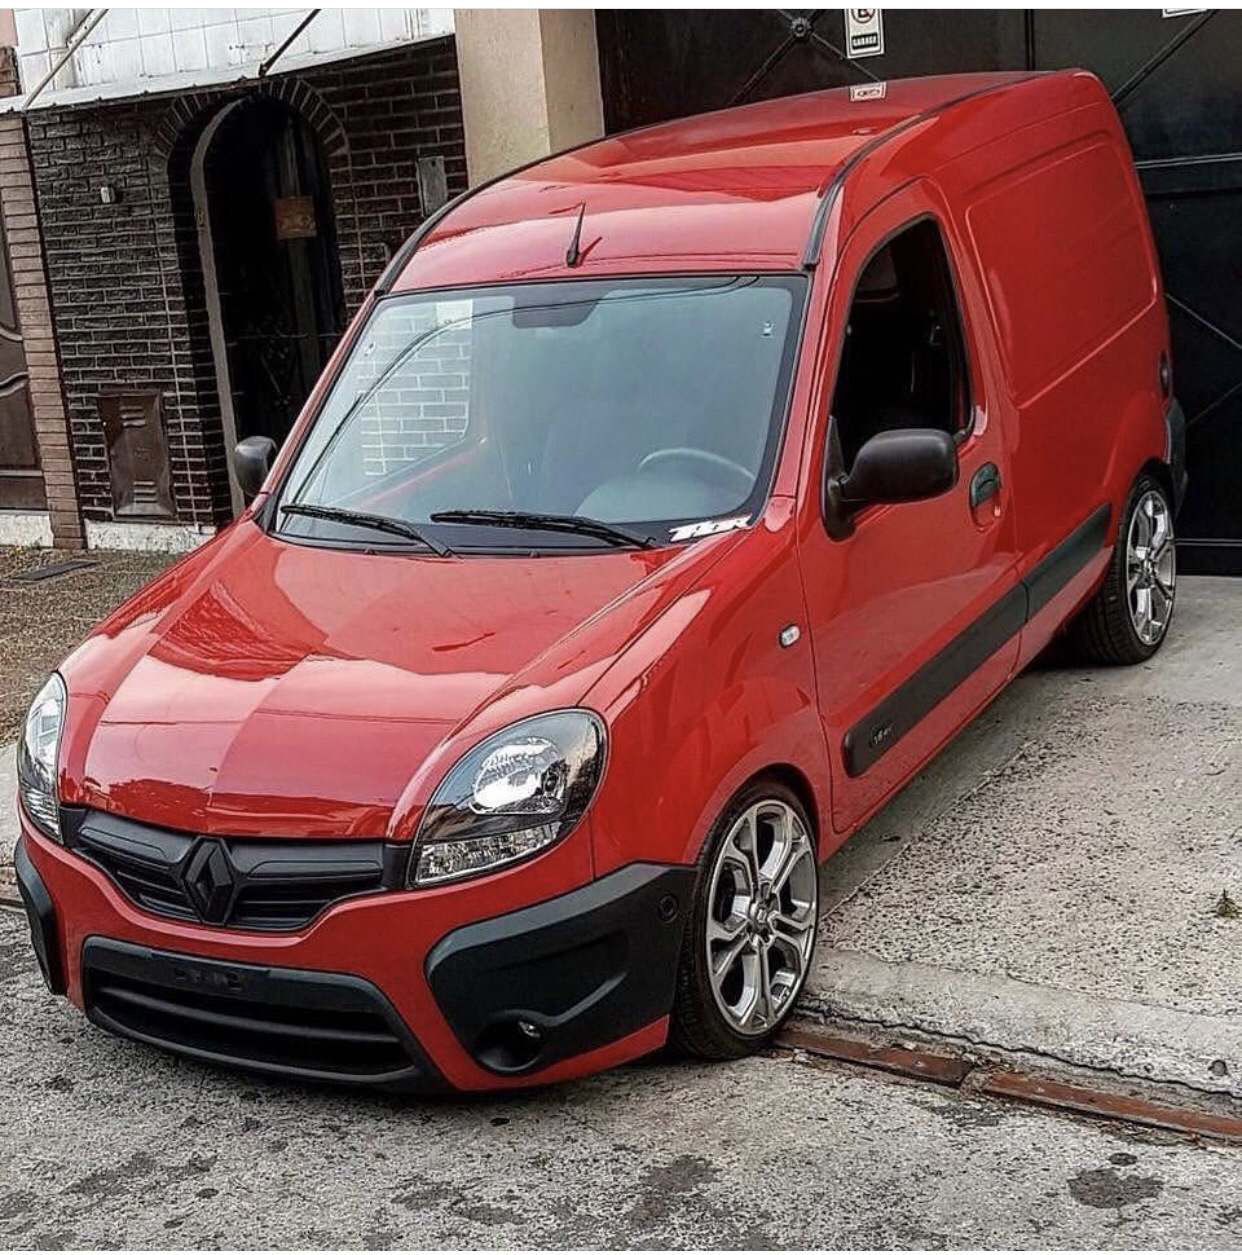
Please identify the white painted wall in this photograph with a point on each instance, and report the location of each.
(26, 528)
(131, 48)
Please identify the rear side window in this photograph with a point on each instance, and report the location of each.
(903, 363)
(1064, 254)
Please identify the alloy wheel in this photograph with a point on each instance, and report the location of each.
(1151, 567)
(764, 895)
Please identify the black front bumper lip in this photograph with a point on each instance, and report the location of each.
(530, 988)
(521, 991)
(41, 916)
(280, 1021)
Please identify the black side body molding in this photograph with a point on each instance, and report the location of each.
(882, 727)
(1053, 572)
(524, 990)
(878, 731)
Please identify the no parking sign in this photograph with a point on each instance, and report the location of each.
(864, 33)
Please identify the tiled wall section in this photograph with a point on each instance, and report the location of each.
(128, 303)
(133, 44)
(421, 399)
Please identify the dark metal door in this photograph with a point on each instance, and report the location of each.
(21, 480)
(1177, 82)
(133, 425)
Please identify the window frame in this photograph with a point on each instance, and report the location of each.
(833, 458)
(267, 516)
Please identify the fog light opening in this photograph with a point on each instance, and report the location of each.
(511, 1044)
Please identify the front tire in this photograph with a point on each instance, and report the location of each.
(1128, 618)
(752, 928)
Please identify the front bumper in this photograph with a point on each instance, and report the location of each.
(424, 991)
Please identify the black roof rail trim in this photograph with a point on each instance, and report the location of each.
(810, 256)
(828, 197)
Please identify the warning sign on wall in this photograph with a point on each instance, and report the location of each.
(864, 33)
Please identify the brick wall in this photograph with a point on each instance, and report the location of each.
(422, 403)
(22, 229)
(127, 289)
(394, 108)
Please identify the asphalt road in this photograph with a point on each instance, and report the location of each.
(108, 1144)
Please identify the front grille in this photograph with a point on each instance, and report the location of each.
(319, 1025)
(269, 885)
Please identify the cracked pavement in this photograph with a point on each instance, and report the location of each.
(108, 1143)
(1050, 882)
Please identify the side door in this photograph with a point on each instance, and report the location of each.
(915, 616)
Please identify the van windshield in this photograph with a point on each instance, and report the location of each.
(652, 405)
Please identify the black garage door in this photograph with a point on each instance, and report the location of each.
(1177, 82)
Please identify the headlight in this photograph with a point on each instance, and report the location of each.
(36, 756)
(514, 794)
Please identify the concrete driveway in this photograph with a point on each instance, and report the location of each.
(106, 1143)
(1052, 884)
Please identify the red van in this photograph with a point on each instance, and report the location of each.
(667, 506)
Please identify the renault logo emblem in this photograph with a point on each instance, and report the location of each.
(208, 882)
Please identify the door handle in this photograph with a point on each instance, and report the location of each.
(985, 483)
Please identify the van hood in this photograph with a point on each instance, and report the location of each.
(267, 688)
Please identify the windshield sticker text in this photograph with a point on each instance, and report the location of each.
(708, 527)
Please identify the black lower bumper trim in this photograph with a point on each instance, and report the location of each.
(41, 915)
(525, 990)
(314, 1026)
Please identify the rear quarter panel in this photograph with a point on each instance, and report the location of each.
(1056, 221)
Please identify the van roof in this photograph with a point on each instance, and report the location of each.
(744, 188)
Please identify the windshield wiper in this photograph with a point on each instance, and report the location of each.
(573, 523)
(376, 522)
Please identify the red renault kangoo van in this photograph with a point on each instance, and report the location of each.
(668, 504)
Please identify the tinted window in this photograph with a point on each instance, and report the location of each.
(903, 363)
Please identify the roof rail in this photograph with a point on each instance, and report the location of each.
(828, 197)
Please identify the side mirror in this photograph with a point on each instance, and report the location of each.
(252, 459)
(910, 464)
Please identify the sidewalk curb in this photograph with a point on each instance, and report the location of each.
(1127, 1040)
(1193, 1115)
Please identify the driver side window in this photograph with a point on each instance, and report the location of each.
(903, 363)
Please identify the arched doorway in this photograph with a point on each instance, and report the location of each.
(271, 273)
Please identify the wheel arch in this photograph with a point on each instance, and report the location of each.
(1162, 473)
(796, 781)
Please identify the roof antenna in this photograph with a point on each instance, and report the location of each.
(573, 254)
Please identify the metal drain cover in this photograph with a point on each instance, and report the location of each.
(32, 575)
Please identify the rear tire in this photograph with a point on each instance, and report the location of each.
(751, 934)
(1129, 616)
